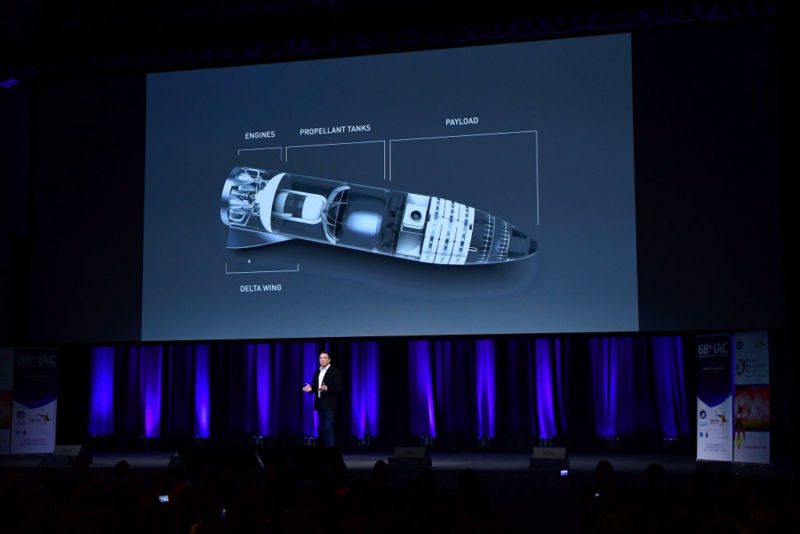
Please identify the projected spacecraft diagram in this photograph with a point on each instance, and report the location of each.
(393, 195)
(262, 207)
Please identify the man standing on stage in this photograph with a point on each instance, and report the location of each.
(325, 386)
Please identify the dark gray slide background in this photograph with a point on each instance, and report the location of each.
(566, 178)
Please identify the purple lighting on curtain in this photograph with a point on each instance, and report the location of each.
(364, 375)
(358, 408)
(669, 386)
(202, 394)
(612, 385)
(263, 359)
(372, 389)
(420, 389)
(310, 365)
(485, 384)
(561, 394)
(545, 410)
(101, 392)
(150, 389)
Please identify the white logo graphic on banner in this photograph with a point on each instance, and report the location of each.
(714, 431)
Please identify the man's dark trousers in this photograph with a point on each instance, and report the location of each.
(327, 426)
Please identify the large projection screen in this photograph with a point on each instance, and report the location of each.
(536, 135)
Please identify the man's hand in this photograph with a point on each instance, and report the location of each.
(307, 388)
(323, 387)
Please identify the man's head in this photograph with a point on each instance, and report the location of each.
(324, 359)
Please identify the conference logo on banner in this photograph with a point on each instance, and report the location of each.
(6, 385)
(714, 398)
(751, 397)
(33, 412)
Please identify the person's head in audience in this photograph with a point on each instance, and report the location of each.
(604, 472)
(122, 469)
(655, 475)
(380, 471)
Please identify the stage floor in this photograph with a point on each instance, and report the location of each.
(442, 461)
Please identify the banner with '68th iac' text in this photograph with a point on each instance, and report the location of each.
(33, 412)
(714, 397)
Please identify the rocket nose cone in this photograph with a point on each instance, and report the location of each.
(496, 241)
(521, 245)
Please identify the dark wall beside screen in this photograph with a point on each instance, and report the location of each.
(15, 147)
(708, 188)
(86, 209)
(709, 223)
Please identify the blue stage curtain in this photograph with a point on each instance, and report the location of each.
(235, 390)
(310, 364)
(101, 391)
(178, 396)
(514, 399)
(465, 382)
(128, 388)
(545, 389)
(263, 372)
(150, 374)
(292, 364)
(364, 390)
(202, 392)
(561, 359)
(485, 387)
(513, 390)
(670, 389)
(536, 385)
(270, 403)
(454, 396)
(641, 390)
(422, 420)
(612, 386)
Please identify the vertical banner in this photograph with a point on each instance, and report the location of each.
(6, 384)
(714, 397)
(33, 414)
(751, 398)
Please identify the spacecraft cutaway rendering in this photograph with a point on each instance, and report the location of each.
(263, 207)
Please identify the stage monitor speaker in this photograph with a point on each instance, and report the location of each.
(549, 459)
(410, 459)
(63, 456)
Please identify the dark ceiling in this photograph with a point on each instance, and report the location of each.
(94, 35)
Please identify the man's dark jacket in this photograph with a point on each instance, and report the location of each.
(329, 400)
